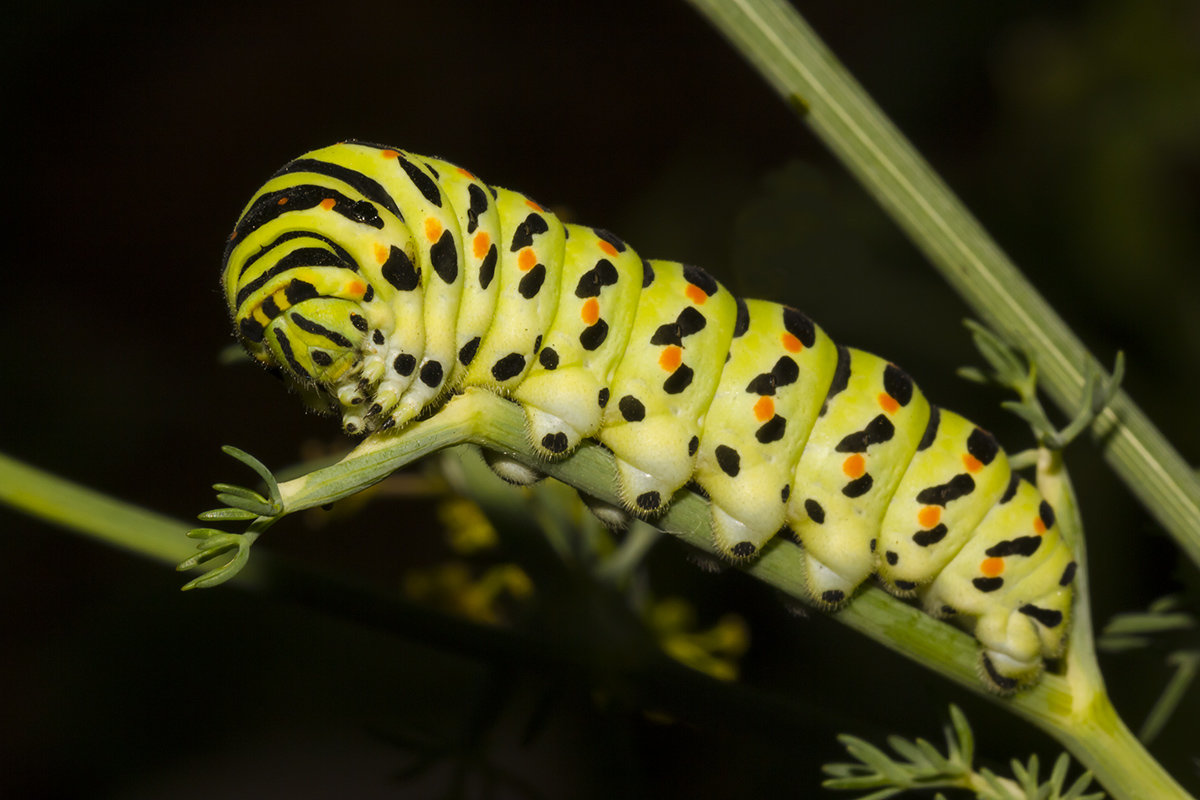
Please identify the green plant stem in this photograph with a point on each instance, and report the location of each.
(1073, 708)
(786, 51)
(59, 501)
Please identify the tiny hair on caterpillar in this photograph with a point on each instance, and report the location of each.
(378, 282)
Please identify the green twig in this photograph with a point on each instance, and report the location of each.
(781, 46)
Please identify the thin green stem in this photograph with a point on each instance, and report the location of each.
(781, 46)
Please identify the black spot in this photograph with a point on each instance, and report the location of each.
(859, 486)
(931, 428)
(467, 354)
(431, 373)
(369, 294)
(873, 543)
(799, 326)
(700, 278)
(359, 322)
(741, 323)
(1047, 616)
(321, 358)
(772, 430)
(814, 511)
(693, 445)
(878, 430)
(931, 536)
(404, 364)
(508, 367)
(667, 333)
(680, 379)
(555, 442)
(548, 358)
(612, 239)
(531, 282)
(1068, 574)
(892, 557)
(251, 329)
(983, 446)
(596, 278)
(948, 611)
(1021, 546)
(897, 384)
(374, 409)
(632, 409)
(298, 291)
(647, 273)
(487, 270)
(399, 271)
(533, 225)
(425, 184)
(602, 397)
(1047, 514)
(444, 257)
(988, 584)
(833, 596)
(377, 337)
(785, 371)
(841, 377)
(478, 205)
(904, 586)
(690, 321)
(1011, 491)
(648, 501)
(743, 549)
(785, 493)
(958, 486)
(537, 343)
(763, 385)
(728, 460)
(594, 335)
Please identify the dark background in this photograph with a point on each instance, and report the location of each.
(136, 132)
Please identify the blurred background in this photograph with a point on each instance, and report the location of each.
(137, 131)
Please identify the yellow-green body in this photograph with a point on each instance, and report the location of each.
(379, 281)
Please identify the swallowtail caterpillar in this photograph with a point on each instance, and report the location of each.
(378, 282)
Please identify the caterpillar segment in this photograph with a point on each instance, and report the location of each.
(378, 281)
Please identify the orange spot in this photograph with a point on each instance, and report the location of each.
(590, 311)
(389, 154)
(533, 205)
(764, 409)
(526, 259)
(381, 252)
(281, 201)
(481, 244)
(328, 203)
(671, 358)
(465, 173)
(433, 229)
(791, 343)
(854, 466)
(991, 567)
(929, 516)
(972, 463)
(356, 288)
(888, 403)
(607, 247)
(1039, 527)
(233, 236)
(695, 294)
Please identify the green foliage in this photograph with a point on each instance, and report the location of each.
(921, 766)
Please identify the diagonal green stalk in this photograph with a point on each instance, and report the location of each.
(790, 56)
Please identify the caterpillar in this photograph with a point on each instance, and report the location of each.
(377, 282)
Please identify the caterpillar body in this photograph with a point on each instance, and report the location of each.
(378, 282)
